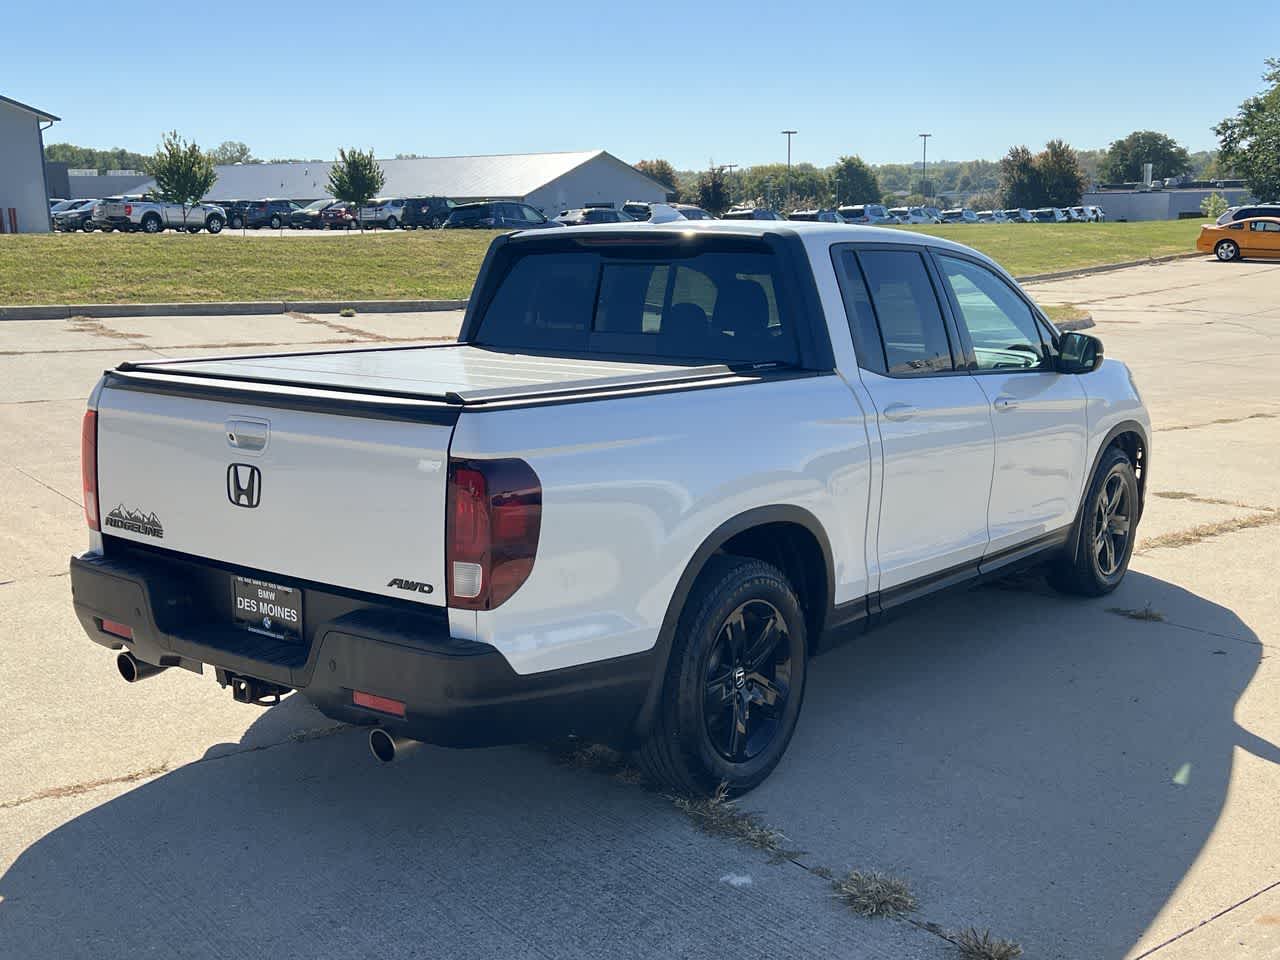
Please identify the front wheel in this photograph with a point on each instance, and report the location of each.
(1227, 250)
(734, 682)
(275, 223)
(391, 223)
(213, 224)
(1107, 530)
(237, 223)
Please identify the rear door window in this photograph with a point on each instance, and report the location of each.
(912, 329)
(726, 306)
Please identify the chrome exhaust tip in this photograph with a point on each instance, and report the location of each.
(385, 745)
(132, 669)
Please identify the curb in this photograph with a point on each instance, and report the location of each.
(229, 308)
(1108, 267)
(1084, 323)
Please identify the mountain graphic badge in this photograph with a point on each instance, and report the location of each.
(135, 521)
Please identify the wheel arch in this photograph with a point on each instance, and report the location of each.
(787, 536)
(1130, 436)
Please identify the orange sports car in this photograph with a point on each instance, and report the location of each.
(1254, 237)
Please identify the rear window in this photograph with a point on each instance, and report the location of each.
(646, 301)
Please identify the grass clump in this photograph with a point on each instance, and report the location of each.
(1146, 613)
(347, 312)
(982, 946)
(874, 894)
(720, 816)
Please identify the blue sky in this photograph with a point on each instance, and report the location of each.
(687, 81)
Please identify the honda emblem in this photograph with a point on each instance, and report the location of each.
(244, 485)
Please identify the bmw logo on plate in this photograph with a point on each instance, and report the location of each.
(266, 623)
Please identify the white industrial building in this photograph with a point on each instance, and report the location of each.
(24, 194)
(551, 182)
(1159, 202)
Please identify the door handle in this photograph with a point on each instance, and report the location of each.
(899, 411)
(1005, 403)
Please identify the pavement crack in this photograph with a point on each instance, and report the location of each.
(34, 479)
(1204, 923)
(1206, 531)
(1218, 422)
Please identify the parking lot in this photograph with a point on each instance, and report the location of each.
(1090, 779)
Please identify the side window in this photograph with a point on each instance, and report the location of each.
(530, 214)
(1237, 225)
(1001, 325)
(910, 319)
(860, 313)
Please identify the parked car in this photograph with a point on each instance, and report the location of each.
(1096, 214)
(870, 213)
(691, 212)
(1048, 215)
(1237, 239)
(816, 216)
(651, 564)
(992, 216)
(308, 217)
(152, 216)
(256, 214)
(1249, 210)
(339, 216)
(637, 209)
(1082, 214)
(384, 212)
(1073, 215)
(576, 218)
(429, 213)
(71, 219)
(915, 215)
(960, 215)
(1019, 215)
(61, 205)
(497, 215)
(752, 213)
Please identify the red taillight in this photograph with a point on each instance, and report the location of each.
(372, 701)
(89, 467)
(122, 630)
(491, 530)
(128, 209)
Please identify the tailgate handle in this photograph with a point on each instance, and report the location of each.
(248, 435)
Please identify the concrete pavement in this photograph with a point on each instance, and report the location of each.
(1080, 781)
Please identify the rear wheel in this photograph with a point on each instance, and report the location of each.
(1227, 250)
(391, 223)
(1108, 527)
(275, 223)
(237, 223)
(151, 223)
(734, 683)
(437, 223)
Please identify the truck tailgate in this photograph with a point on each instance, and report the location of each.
(356, 501)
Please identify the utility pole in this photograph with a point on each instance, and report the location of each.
(728, 177)
(924, 163)
(789, 134)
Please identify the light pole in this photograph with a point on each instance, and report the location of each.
(924, 163)
(789, 134)
(728, 178)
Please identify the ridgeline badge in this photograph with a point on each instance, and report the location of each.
(147, 524)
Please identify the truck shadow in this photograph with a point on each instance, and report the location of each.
(1012, 753)
(1043, 766)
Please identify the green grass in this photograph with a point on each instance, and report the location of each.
(116, 268)
(1058, 312)
(173, 268)
(1026, 249)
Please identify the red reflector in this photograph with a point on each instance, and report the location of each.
(89, 467)
(381, 704)
(117, 629)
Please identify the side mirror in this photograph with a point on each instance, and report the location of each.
(1079, 353)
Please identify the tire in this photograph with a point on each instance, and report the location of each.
(276, 223)
(1107, 531)
(193, 230)
(436, 223)
(1227, 250)
(152, 223)
(391, 223)
(714, 724)
(214, 224)
(237, 223)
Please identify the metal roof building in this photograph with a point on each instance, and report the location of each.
(549, 181)
(24, 195)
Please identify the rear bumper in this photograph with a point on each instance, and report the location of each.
(456, 692)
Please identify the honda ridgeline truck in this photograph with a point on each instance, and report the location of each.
(661, 469)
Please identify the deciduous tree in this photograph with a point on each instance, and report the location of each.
(1019, 179)
(1250, 140)
(356, 177)
(182, 171)
(662, 171)
(853, 181)
(1061, 178)
(1124, 158)
(231, 151)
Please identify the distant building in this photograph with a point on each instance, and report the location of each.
(1159, 202)
(24, 195)
(550, 182)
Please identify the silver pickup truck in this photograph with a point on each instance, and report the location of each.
(151, 216)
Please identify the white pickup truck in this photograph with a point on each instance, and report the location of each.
(661, 469)
(152, 216)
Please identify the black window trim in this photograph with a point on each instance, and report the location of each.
(944, 306)
(1050, 345)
